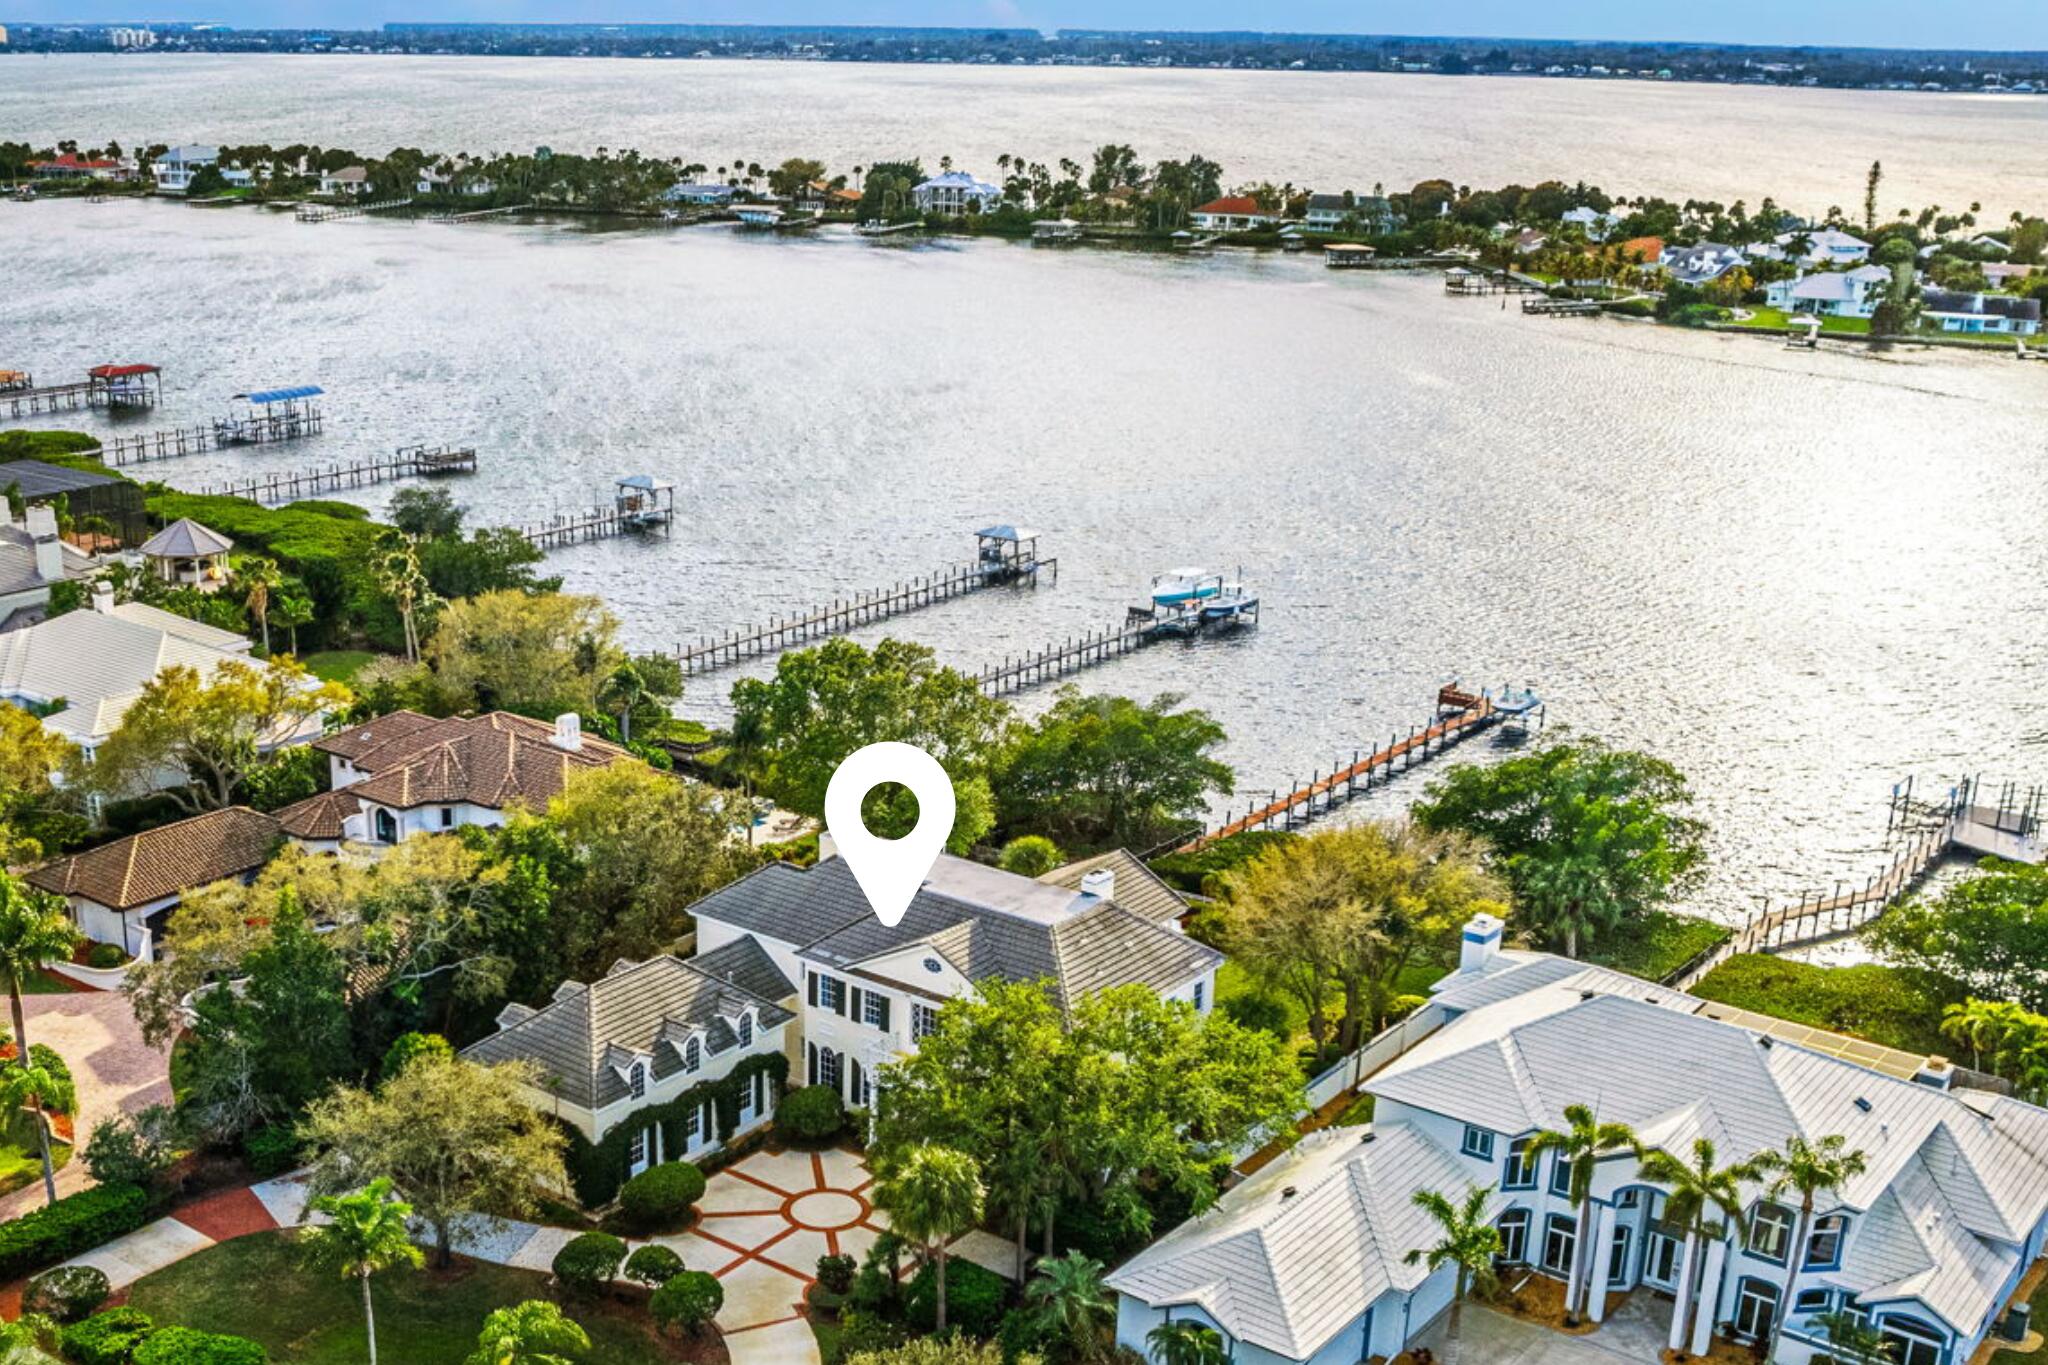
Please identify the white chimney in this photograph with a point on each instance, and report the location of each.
(1101, 882)
(569, 732)
(1481, 942)
(828, 847)
(42, 528)
(103, 598)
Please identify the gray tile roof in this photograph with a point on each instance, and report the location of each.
(1138, 888)
(638, 1009)
(986, 922)
(746, 964)
(1291, 1257)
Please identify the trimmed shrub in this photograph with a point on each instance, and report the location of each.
(836, 1273)
(687, 1301)
(974, 1298)
(105, 956)
(1257, 1010)
(860, 1332)
(188, 1346)
(75, 1223)
(587, 1262)
(1029, 855)
(108, 1338)
(1202, 873)
(406, 1047)
(661, 1196)
(653, 1265)
(47, 1058)
(812, 1114)
(272, 1150)
(133, 1149)
(1023, 1333)
(67, 1293)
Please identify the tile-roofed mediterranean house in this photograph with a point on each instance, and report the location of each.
(1929, 1243)
(870, 991)
(641, 1035)
(123, 892)
(411, 774)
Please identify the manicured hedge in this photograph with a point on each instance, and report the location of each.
(108, 1338)
(327, 544)
(67, 1292)
(589, 1261)
(75, 1223)
(974, 1298)
(187, 1346)
(661, 1195)
(811, 1114)
(597, 1170)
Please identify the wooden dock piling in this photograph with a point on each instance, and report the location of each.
(263, 429)
(406, 463)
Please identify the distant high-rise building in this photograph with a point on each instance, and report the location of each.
(131, 37)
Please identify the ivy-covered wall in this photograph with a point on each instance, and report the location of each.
(597, 1169)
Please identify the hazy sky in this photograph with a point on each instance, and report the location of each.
(2005, 24)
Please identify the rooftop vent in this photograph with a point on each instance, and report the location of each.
(1863, 1104)
(1586, 995)
(1763, 1040)
(1287, 1193)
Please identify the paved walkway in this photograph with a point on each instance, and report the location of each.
(1630, 1337)
(114, 1070)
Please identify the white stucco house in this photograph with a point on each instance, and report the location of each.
(173, 171)
(1598, 226)
(1304, 1261)
(869, 991)
(34, 559)
(123, 892)
(956, 193)
(1961, 311)
(1700, 262)
(1825, 247)
(1232, 213)
(405, 774)
(643, 1035)
(1831, 293)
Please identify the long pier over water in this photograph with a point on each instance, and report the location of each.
(406, 463)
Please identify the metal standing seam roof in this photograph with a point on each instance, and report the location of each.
(582, 1037)
(282, 395)
(100, 661)
(39, 480)
(122, 371)
(1291, 1257)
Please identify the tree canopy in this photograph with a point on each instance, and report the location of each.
(1589, 837)
(1986, 935)
(515, 651)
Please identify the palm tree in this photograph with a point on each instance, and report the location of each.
(1582, 1145)
(1185, 1342)
(34, 932)
(1071, 1302)
(367, 1234)
(530, 1333)
(27, 1085)
(623, 690)
(292, 610)
(1809, 1170)
(1697, 1188)
(1470, 1242)
(933, 1198)
(1853, 1341)
(257, 577)
(399, 574)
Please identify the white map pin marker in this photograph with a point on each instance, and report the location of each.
(889, 870)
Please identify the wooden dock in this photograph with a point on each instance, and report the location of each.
(1560, 308)
(265, 429)
(50, 398)
(1967, 821)
(1475, 280)
(863, 608)
(327, 213)
(1071, 656)
(1459, 716)
(475, 214)
(594, 523)
(409, 462)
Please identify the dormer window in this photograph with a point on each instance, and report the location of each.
(636, 1080)
(693, 1055)
(745, 1029)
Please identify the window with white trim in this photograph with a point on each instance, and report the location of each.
(1824, 1243)
(924, 1020)
(745, 1029)
(1478, 1143)
(1514, 1236)
(874, 1009)
(693, 1054)
(1770, 1231)
(1519, 1173)
(636, 1080)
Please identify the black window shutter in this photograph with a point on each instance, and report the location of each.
(883, 1024)
(811, 984)
(840, 1003)
(853, 1003)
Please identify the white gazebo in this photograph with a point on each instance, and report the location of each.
(189, 554)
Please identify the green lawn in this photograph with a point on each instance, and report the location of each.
(1870, 1000)
(1777, 319)
(337, 665)
(21, 1161)
(2039, 1304)
(254, 1287)
(42, 983)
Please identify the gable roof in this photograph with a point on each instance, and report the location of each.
(1291, 1257)
(164, 861)
(637, 1010)
(746, 964)
(986, 922)
(186, 539)
(99, 662)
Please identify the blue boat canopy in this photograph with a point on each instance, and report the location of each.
(1007, 532)
(283, 395)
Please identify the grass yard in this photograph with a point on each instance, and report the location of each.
(337, 665)
(1869, 1001)
(21, 1160)
(42, 983)
(1763, 319)
(255, 1287)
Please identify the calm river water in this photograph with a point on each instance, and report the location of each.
(1798, 575)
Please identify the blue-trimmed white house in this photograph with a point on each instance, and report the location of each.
(1304, 1261)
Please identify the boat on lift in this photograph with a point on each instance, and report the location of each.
(1181, 587)
(1232, 605)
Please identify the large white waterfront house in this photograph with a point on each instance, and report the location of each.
(1305, 1261)
(956, 193)
(866, 991)
(1831, 293)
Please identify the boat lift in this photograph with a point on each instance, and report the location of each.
(271, 415)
